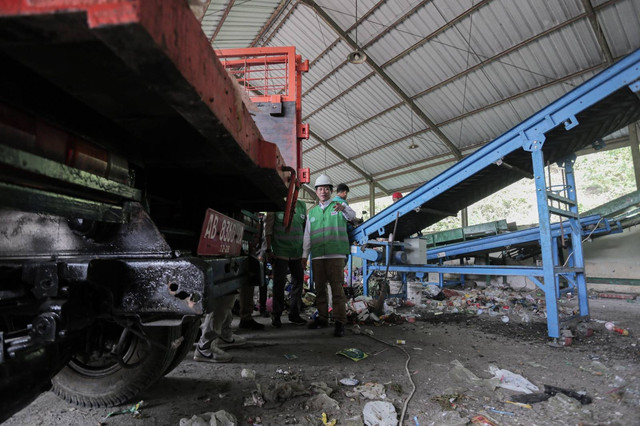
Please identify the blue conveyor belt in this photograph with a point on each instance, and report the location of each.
(520, 238)
(596, 108)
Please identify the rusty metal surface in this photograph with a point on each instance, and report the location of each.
(140, 79)
(29, 236)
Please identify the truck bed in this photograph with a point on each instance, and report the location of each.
(140, 79)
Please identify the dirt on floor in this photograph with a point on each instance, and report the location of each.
(447, 356)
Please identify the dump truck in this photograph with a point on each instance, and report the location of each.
(131, 164)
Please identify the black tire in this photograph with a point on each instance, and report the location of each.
(189, 333)
(104, 382)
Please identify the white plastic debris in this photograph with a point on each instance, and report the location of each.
(371, 391)
(512, 381)
(248, 374)
(219, 418)
(380, 413)
(348, 381)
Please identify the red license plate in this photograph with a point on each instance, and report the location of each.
(220, 235)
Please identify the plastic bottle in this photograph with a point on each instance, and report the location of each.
(612, 327)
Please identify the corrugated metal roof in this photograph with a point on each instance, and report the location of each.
(241, 25)
(475, 68)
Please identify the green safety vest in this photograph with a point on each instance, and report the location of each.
(339, 199)
(328, 231)
(289, 244)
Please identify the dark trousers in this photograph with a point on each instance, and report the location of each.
(280, 269)
(330, 271)
(246, 301)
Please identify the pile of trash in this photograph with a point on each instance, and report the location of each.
(504, 303)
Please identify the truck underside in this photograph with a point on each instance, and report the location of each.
(119, 127)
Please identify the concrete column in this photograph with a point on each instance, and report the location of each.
(635, 151)
(465, 217)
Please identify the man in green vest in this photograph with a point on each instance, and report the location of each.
(342, 191)
(326, 239)
(284, 250)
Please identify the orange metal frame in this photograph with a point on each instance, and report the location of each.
(273, 75)
(269, 74)
(267, 71)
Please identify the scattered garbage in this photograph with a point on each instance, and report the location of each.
(448, 401)
(561, 403)
(358, 305)
(494, 410)
(380, 413)
(371, 391)
(617, 296)
(282, 391)
(248, 374)
(290, 356)
(353, 354)
(619, 330)
(482, 421)
(429, 299)
(133, 410)
(309, 298)
(219, 418)
(631, 393)
(580, 396)
(327, 422)
(550, 391)
(462, 375)
(584, 329)
(512, 381)
(596, 368)
(518, 404)
(255, 421)
(322, 402)
(255, 399)
(321, 387)
(348, 381)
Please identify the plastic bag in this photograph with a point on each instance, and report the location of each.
(512, 381)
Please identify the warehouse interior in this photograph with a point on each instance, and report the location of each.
(447, 103)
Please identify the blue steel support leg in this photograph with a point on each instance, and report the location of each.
(550, 289)
(576, 239)
(404, 286)
(350, 270)
(556, 259)
(365, 277)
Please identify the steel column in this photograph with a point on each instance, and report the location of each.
(577, 258)
(550, 290)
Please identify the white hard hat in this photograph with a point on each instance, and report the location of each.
(323, 180)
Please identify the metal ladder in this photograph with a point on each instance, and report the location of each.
(573, 271)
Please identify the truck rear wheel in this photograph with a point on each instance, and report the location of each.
(189, 333)
(97, 378)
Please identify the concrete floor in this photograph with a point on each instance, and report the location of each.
(605, 366)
